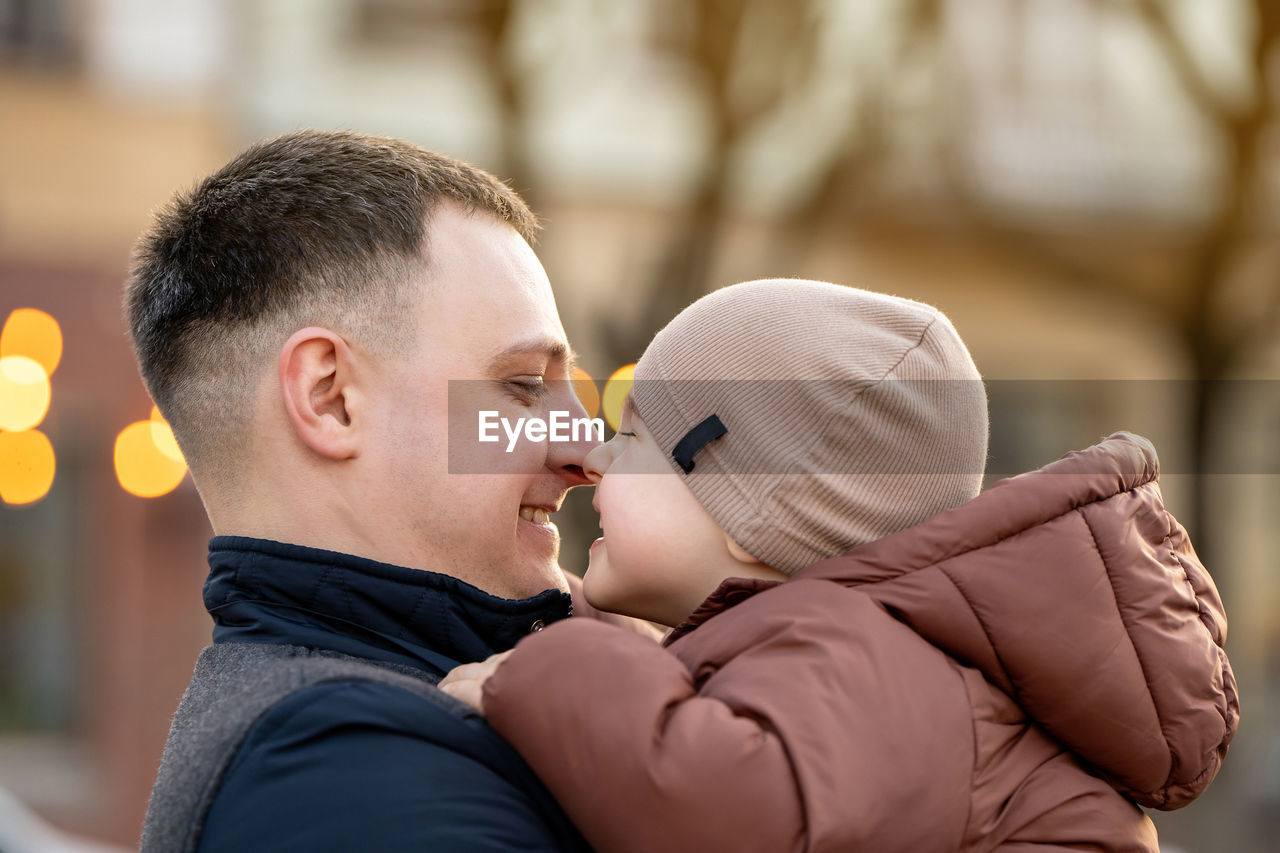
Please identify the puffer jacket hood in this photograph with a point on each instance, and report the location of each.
(1074, 591)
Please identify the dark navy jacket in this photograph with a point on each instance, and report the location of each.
(363, 765)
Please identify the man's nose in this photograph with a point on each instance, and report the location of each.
(568, 458)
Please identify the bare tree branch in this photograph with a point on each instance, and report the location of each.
(1182, 62)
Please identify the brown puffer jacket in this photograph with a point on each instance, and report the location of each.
(967, 684)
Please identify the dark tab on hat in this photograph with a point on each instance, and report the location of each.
(696, 439)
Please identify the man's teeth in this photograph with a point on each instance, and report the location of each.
(535, 514)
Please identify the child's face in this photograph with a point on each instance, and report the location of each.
(661, 553)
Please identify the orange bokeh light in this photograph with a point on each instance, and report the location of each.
(24, 393)
(27, 466)
(32, 333)
(615, 393)
(162, 435)
(142, 467)
(585, 387)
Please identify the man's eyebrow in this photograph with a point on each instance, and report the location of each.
(554, 350)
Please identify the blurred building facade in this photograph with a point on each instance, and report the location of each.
(1088, 188)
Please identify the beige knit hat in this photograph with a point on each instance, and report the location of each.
(809, 418)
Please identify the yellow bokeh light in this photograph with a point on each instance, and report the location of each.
(162, 435)
(24, 393)
(32, 333)
(615, 393)
(141, 467)
(585, 387)
(27, 466)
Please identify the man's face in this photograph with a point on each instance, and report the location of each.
(487, 321)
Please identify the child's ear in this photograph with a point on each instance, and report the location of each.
(739, 553)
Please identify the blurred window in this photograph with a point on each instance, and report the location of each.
(378, 22)
(35, 32)
(39, 605)
(1034, 421)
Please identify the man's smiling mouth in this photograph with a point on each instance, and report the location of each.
(536, 514)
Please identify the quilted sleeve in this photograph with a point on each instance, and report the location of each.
(804, 718)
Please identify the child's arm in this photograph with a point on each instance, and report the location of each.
(810, 736)
(611, 723)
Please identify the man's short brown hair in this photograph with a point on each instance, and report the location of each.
(310, 228)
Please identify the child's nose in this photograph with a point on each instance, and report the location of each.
(597, 462)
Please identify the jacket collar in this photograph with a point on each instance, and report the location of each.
(261, 591)
(730, 592)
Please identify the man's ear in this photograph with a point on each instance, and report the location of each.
(739, 553)
(317, 382)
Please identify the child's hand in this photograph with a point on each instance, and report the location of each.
(466, 683)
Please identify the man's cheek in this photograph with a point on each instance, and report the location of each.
(535, 457)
